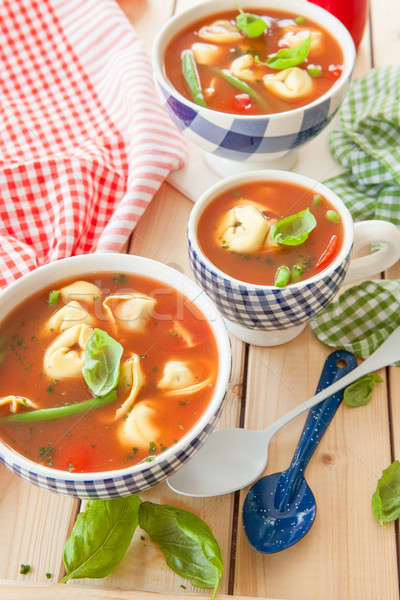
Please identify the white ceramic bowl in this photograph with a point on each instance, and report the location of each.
(252, 138)
(120, 482)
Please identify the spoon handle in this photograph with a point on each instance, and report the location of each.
(386, 354)
(315, 426)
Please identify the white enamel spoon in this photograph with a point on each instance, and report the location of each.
(231, 459)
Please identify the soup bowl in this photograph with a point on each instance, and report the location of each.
(267, 315)
(233, 143)
(125, 481)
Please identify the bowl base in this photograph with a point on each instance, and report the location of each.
(224, 167)
(260, 337)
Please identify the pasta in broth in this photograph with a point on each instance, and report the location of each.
(254, 62)
(154, 376)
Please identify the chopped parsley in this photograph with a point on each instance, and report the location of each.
(24, 569)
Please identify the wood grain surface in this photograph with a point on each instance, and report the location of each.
(346, 556)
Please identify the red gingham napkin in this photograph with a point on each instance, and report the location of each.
(84, 142)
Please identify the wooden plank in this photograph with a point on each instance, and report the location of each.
(147, 17)
(160, 234)
(22, 592)
(386, 51)
(345, 555)
(34, 524)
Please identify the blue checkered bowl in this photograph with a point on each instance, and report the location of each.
(266, 308)
(247, 137)
(120, 482)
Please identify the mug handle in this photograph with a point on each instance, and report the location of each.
(371, 232)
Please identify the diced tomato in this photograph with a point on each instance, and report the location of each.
(242, 102)
(335, 71)
(328, 252)
(77, 458)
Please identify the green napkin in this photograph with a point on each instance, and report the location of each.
(361, 318)
(368, 147)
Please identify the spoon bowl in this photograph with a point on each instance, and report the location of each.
(269, 529)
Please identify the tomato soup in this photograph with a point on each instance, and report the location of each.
(104, 372)
(270, 233)
(252, 63)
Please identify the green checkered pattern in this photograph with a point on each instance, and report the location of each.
(368, 147)
(362, 317)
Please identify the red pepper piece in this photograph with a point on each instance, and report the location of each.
(242, 102)
(335, 71)
(328, 252)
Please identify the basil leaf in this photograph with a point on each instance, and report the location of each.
(360, 392)
(100, 537)
(293, 230)
(386, 498)
(187, 543)
(290, 57)
(102, 357)
(251, 25)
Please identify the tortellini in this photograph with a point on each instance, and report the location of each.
(84, 291)
(220, 32)
(289, 84)
(138, 430)
(69, 315)
(206, 54)
(243, 229)
(129, 311)
(242, 68)
(16, 401)
(295, 35)
(64, 357)
(132, 378)
(178, 379)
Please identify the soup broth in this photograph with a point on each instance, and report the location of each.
(239, 74)
(167, 372)
(243, 232)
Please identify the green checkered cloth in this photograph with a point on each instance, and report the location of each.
(368, 147)
(361, 318)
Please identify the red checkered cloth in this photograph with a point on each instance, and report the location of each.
(84, 141)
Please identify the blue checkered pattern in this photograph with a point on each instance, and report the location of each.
(110, 487)
(271, 309)
(246, 139)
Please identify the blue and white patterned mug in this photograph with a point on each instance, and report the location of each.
(266, 315)
(269, 140)
(132, 479)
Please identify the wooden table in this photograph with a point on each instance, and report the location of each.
(347, 555)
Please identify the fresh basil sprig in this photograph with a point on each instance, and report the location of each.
(386, 498)
(187, 543)
(102, 359)
(289, 57)
(360, 392)
(295, 229)
(251, 25)
(100, 537)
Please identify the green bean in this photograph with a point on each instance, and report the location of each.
(240, 85)
(314, 70)
(297, 271)
(332, 216)
(59, 412)
(282, 276)
(192, 78)
(317, 200)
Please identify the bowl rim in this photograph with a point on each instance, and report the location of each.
(191, 291)
(341, 35)
(265, 176)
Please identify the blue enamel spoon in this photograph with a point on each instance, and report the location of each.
(279, 509)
